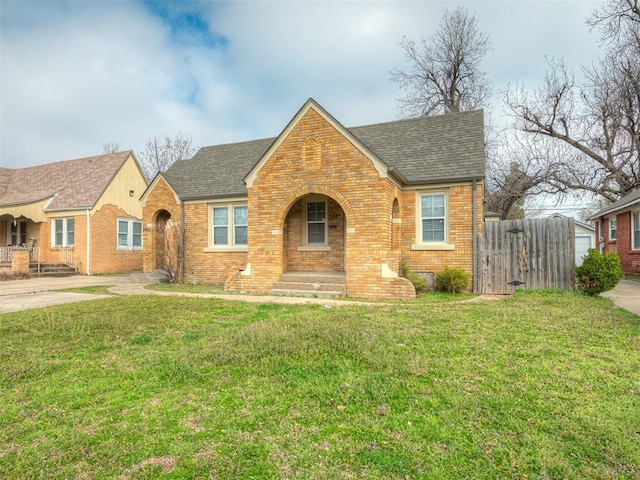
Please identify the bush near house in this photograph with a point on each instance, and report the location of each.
(598, 273)
(419, 283)
(452, 280)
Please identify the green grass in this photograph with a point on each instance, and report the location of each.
(215, 288)
(633, 278)
(540, 385)
(423, 297)
(94, 289)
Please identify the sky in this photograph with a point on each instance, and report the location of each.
(77, 74)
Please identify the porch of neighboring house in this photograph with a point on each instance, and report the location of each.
(22, 238)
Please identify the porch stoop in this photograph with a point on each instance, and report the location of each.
(51, 270)
(311, 284)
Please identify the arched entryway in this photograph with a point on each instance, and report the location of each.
(314, 235)
(161, 244)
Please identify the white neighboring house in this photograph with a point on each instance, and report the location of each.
(585, 238)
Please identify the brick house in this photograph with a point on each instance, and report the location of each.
(351, 203)
(618, 230)
(84, 212)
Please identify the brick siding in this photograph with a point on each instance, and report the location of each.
(371, 220)
(629, 258)
(105, 256)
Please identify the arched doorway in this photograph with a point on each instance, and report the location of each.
(314, 235)
(162, 219)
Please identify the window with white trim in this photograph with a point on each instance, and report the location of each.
(63, 232)
(129, 234)
(433, 218)
(316, 222)
(635, 230)
(229, 225)
(613, 228)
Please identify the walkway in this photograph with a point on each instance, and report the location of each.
(626, 295)
(17, 295)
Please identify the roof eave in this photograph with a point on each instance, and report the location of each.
(608, 211)
(31, 200)
(435, 181)
(192, 198)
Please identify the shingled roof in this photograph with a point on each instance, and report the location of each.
(627, 201)
(427, 150)
(73, 184)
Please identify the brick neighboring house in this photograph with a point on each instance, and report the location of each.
(323, 198)
(85, 212)
(618, 230)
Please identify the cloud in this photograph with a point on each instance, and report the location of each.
(77, 74)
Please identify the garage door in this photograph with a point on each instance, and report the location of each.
(583, 243)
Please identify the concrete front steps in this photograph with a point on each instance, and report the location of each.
(51, 270)
(157, 276)
(311, 284)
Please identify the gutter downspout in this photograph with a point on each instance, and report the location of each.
(88, 269)
(183, 234)
(600, 235)
(474, 234)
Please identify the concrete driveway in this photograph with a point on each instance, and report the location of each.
(16, 295)
(626, 295)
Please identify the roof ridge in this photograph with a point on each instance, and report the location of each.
(417, 119)
(124, 153)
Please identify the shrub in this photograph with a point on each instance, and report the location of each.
(598, 273)
(452, 280)
(14, 275)
(419, 283)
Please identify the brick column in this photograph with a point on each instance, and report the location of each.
(20, 260)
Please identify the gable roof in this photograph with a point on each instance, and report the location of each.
(73, 184)
(216, 171)
(311, 104)
(430, 149)
(577, 222)
(444, 148)
(626, 201)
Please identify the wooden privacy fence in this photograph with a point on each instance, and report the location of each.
(527, 254)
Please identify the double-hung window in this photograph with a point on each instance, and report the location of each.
(229, 225)
(316, 223)
(129, 234)
(613, 228)
(63, 232)
(635, 230)
(433, 218)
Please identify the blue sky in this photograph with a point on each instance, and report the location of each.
(76, 74)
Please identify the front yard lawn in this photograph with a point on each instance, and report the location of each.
(539, 385)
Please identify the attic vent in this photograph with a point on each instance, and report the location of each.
(312, 155)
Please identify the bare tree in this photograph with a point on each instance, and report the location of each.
(598, 119)
(444, 72)
(159, 154)
(110, 147)
(516, 169)
(174, 250)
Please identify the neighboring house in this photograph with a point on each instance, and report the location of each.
(322, 198)
(618, 230)
(585, 238)
(84, 212)
(491, 216)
